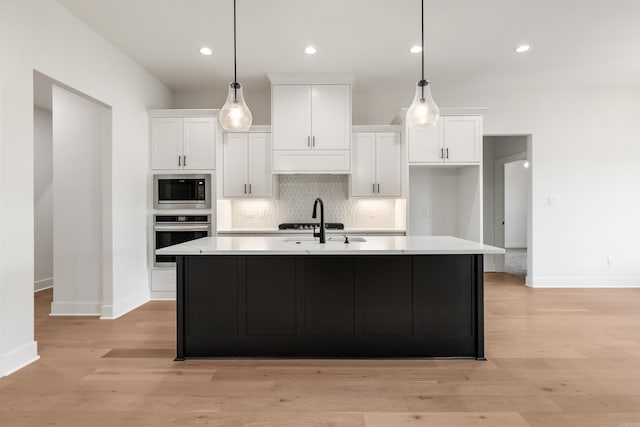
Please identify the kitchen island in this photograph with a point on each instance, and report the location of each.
(294, 297)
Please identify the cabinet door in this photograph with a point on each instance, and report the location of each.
(259, 164)
(199, 143)
(388, 155)
(363, 164)
(331, 112)
(291, 117)
(426, 145)
(166, 143)
(234, 159)
(462, 139)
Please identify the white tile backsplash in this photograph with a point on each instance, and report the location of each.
(294, 203)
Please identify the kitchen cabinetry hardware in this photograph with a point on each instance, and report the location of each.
(313, 139)
(308, 141)
(378, 188)
(184, 160)
(249, 188)
(179, 160)
(442, 153)
(447, 153)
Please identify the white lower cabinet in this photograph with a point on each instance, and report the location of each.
(376, 168)
(247, 165)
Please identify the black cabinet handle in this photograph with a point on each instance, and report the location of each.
(442, 153)
(179, 160)
(373, 187)
(313, 144)
(308, 141)
(447, 153)
(245, 189)
(249, 188)
(378, 188)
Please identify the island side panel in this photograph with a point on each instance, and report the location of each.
(479, 305)
(180, 308)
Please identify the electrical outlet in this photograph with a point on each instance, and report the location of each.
(609, 262)
(552, 200)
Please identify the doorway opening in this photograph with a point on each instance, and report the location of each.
(72, 198)
(507, 203)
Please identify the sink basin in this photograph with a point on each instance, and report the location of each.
(332, 239)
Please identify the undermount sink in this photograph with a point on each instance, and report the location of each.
(332, 239)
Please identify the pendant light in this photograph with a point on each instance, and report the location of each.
(234, 114)
(423, 111)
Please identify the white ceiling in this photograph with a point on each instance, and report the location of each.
(469, 42)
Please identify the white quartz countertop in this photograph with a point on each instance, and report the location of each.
(304, 245)
(276, 231)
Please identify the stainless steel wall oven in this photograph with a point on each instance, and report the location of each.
(174, 229)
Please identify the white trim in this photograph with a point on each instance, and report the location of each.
(163, 295)
(123, 307)
(519, 245)
(18, 359)
(75, 308)
(582, 282)
(42, 284)
(311, 78)
(177, 112)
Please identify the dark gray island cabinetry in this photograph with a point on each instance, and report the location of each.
(387, 297)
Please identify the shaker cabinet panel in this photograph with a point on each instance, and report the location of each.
(426, 145)
(247, 165)
(166, 143)
(331, 117)
(291, 117)
(388, 158)
(260, 177)
(376, 169)
(199, 143)
(234, 154)
(463, 137)
(363, 173)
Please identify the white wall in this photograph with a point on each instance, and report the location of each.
(43, 198)
(515, 204)
(587, 160)
(42, 35)
(78, 144)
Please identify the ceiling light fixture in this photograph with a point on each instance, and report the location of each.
(423, 111)
(310, 50)
(522, 48)
(234, 114)
(206, 51)
(415, 49)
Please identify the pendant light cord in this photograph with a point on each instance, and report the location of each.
(422, 41)
(235, 65)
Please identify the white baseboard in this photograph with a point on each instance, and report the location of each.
(75, 308)
(18, 359)
(582, 282)
(516, 245)
(123, 307)
(42, 284)
(163, 295)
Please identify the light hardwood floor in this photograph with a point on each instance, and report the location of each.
(555, 358)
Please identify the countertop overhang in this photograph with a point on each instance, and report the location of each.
(374, 245)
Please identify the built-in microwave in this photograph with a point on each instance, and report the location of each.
(182, 191)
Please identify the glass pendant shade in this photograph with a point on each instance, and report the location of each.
(423, 111)
(234, 114)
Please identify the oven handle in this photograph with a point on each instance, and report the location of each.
(181, 227)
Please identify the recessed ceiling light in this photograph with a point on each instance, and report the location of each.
(206, 51)
(310, 50)
(415, 49)
(522, 48)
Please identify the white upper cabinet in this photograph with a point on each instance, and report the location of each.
(376, 164)
(311, 117)
(247, 165)
(182, 143)
(311, 127)
(291, 106)
(463, 139)
(455, 139)
(331, 117)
